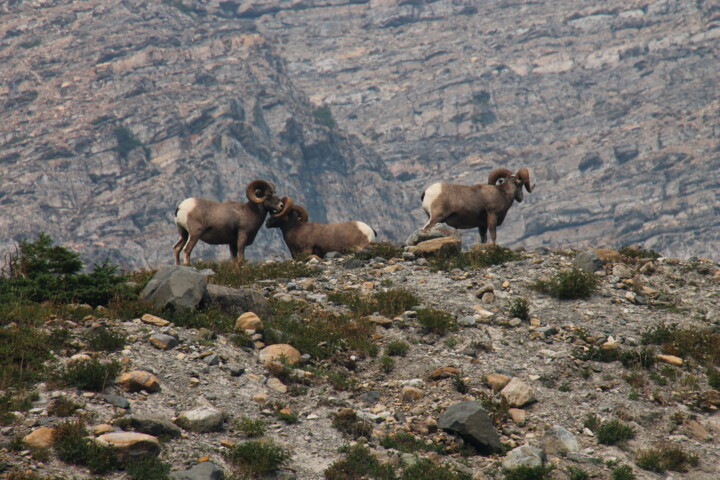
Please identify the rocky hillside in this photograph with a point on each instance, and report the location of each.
(114, 111)
(613, 358)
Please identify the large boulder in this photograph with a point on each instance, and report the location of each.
(471, 422)
(176, 286)
(128, 445)
(237, 301)
(437, 246)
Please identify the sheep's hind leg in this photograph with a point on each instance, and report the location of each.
(179, 246)
(192, 241)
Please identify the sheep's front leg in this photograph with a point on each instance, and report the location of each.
(492, 224)
(237, 250)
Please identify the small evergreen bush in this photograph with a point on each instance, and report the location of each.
(666, 457)
(384, 250)
(474, 259)
(568, 285)
(347, 422)
(359, 463)
(520, 308)
(92, 375)
(250, 428)
(397, 348)
(256, 458)
(148, 468)
(72, 445)
(424, 469)
(436, 321)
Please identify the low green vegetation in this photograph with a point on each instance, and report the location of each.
(611, 432)
(359, 463)
(390, 302)
(234, 274)
(387, 364)
(474, 259)
(347, 422)
(250, 427)
(701, 344)
(424, 469)
(148, 468)
(105, 340)
(256, 458)
(72, 444)
(436, 321)
(520, 308)
(384, 250)
(93, 375)
(622, 472)
(666, 457)
(568, 284)
(409, 443)
(524, 472)
(638, 252)
(397, 348)
(323, 116)
(15, 402)
(63, 407)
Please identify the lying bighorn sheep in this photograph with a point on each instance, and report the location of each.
(226, 223)
(470, 206)
(303, 237)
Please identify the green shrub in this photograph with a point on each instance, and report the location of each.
(43, 272)
(324, 335)
(323, 116)
(255, 458)
(474, 259)
(148, 468)
(436, 321)
(665, 457)
(359, 463)
(397, 348)
(15, 402)
(568, 284)
(638, 251)
(347, 422)
(92, 375)
(234, 274)
(391, 302)
(424, 469)
(460, 385)
(408, 443)
(25, 353)
(210, 318)
(250, 428)
(622, 472)
(72, 445)
(126, 142)
(520, 308)
(384, 250)
(63, 407)
(614, 432)
(645, 358)
(702, 344)
(578, 474)
(387, 364)
(524, 472)
(597, 353)
(105, 340)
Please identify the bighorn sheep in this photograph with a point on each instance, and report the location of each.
(226, 223)
(303, 237)
(470, 206)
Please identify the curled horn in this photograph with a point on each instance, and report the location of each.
(524, 175)
(497, 174)
(302, 213)
(266, 188)
(287, 205)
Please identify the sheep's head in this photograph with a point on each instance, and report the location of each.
(289, 217)
(262, 193)
(500, 176)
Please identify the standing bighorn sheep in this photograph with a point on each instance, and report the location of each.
(303, 237)
(226, 223)
(470, 206)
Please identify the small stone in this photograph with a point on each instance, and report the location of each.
(260, 398)
(102, 429)
(524, 455)
(138, 380)
(249, 321)
(444, 372)
(670, 359)
(488, 297)
(380, 320)
(517, 415)
(202, 420)
(411, 394)
(496, 381)
(40, 438)
(280, 351)
(153, 320)
(235, 369)
(277, 385)
(437, 246)
(116, 400)
(212, 360)
(163, 341)
(467, 321)
(130, 444)
(517, 393)
(558, 440)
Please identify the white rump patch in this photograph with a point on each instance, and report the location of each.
(431, 194)
(182, 212)
(366, 230)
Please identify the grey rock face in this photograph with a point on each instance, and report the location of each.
(201, 420)
(201, 471)
(237, 300)
(176, 286)
(472, 423)
(437, 231)
(558, 440)
(588, 261)
(524, 455)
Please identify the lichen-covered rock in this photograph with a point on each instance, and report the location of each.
(138, 380)
(517, 393)
(201, 420)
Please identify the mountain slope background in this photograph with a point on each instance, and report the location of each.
(114, 111)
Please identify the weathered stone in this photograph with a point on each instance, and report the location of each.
(153, 320)
(116, 400)
(154, 426)
(201, 420)
(380, 320)
(588, 261)
(467, 321)
(235, 369)
(558, 440)
(496, 381)
(176, 286)
(523, 456)
(622, 271)
(248, 321)
(138, 380)
(277, 385)
(39, 438)
(437, 246)
(471, 422)
(278, 352)
(163, 341)
(237, 301)
(260, 398)
(411, 394)
(444, 372)
(670, 359)
(517, 393)
(128, 445)
(439, 230)
(102, 429)
(517, 415)
(608, 255)
(201, 471)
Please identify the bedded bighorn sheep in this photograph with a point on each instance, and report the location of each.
(226, 223)
(303, 237)
(470, 206)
